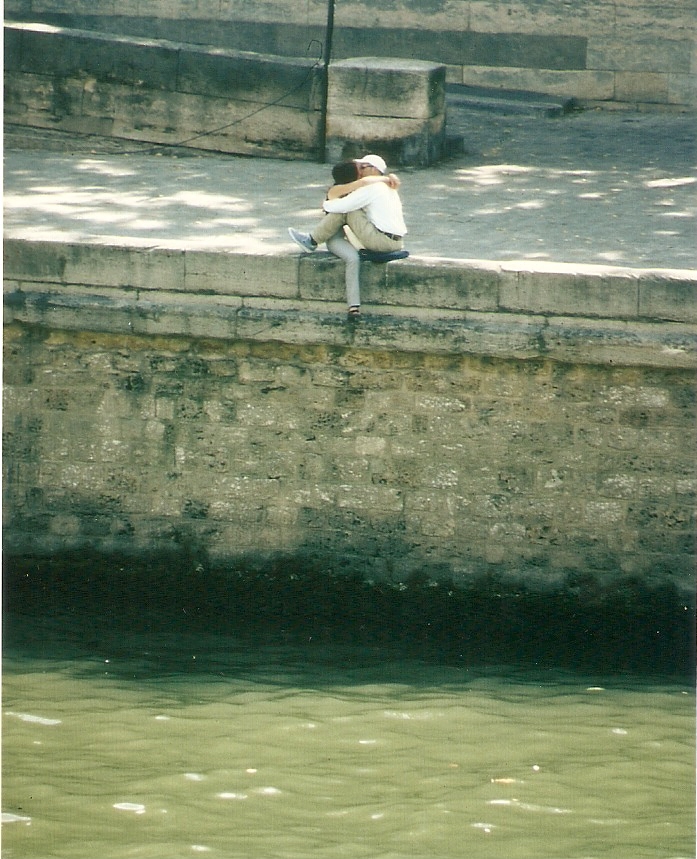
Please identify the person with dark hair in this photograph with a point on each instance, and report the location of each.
(364, 199)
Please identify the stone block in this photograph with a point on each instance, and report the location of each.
(650, 18)
(78, 81)
(248, 77)
(668, 296)
(583, 19)
(402, 142)
(641, 87)
(34, 261)
(586, 291)
(389, 106)
(321, 277)
(12, 49)
(642, 55)
(69, 53)
(619, 343)
(450, 332)
(441, 283)
(241, 274)
(94, 265)
(40, 101)
(465, 46)
(682, 90)
(369, 498)
(298, 323)
(382, 86)
(391, 129)
(179, 313)
(182, 119)
(587, 84)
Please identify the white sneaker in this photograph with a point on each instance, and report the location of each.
(302, 239)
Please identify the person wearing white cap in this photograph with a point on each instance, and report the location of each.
(372, 161)
(370, 206)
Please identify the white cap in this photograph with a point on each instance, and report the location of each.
(374, 161)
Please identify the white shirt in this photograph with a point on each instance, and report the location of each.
(381, 203)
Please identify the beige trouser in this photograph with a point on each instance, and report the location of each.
(364, 230)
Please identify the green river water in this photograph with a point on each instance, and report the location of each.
(126, 738)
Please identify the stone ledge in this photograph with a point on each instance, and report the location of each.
(160, 64)
(304, 322)
(162, 92)
(518, 286)
(208, 97)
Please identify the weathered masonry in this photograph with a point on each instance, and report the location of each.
(226, 100)
(619, 51)
(532, 421)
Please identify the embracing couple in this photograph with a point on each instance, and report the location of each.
(365, 200)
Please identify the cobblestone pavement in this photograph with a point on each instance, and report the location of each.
(598, 187)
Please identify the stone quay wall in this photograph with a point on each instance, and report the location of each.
(162, 92)
(638, 52)
(537, 422)
(166, 92)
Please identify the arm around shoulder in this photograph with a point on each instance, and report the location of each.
(337, 191)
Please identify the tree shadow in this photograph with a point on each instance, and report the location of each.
(591, 187)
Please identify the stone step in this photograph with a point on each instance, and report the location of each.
(506, 102)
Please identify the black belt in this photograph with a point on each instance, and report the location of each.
(390, 235)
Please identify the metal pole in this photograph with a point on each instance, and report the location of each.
(328, 37)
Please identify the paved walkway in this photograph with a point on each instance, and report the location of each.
(595, 187)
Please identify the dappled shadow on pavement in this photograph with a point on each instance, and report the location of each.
(592, 187)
